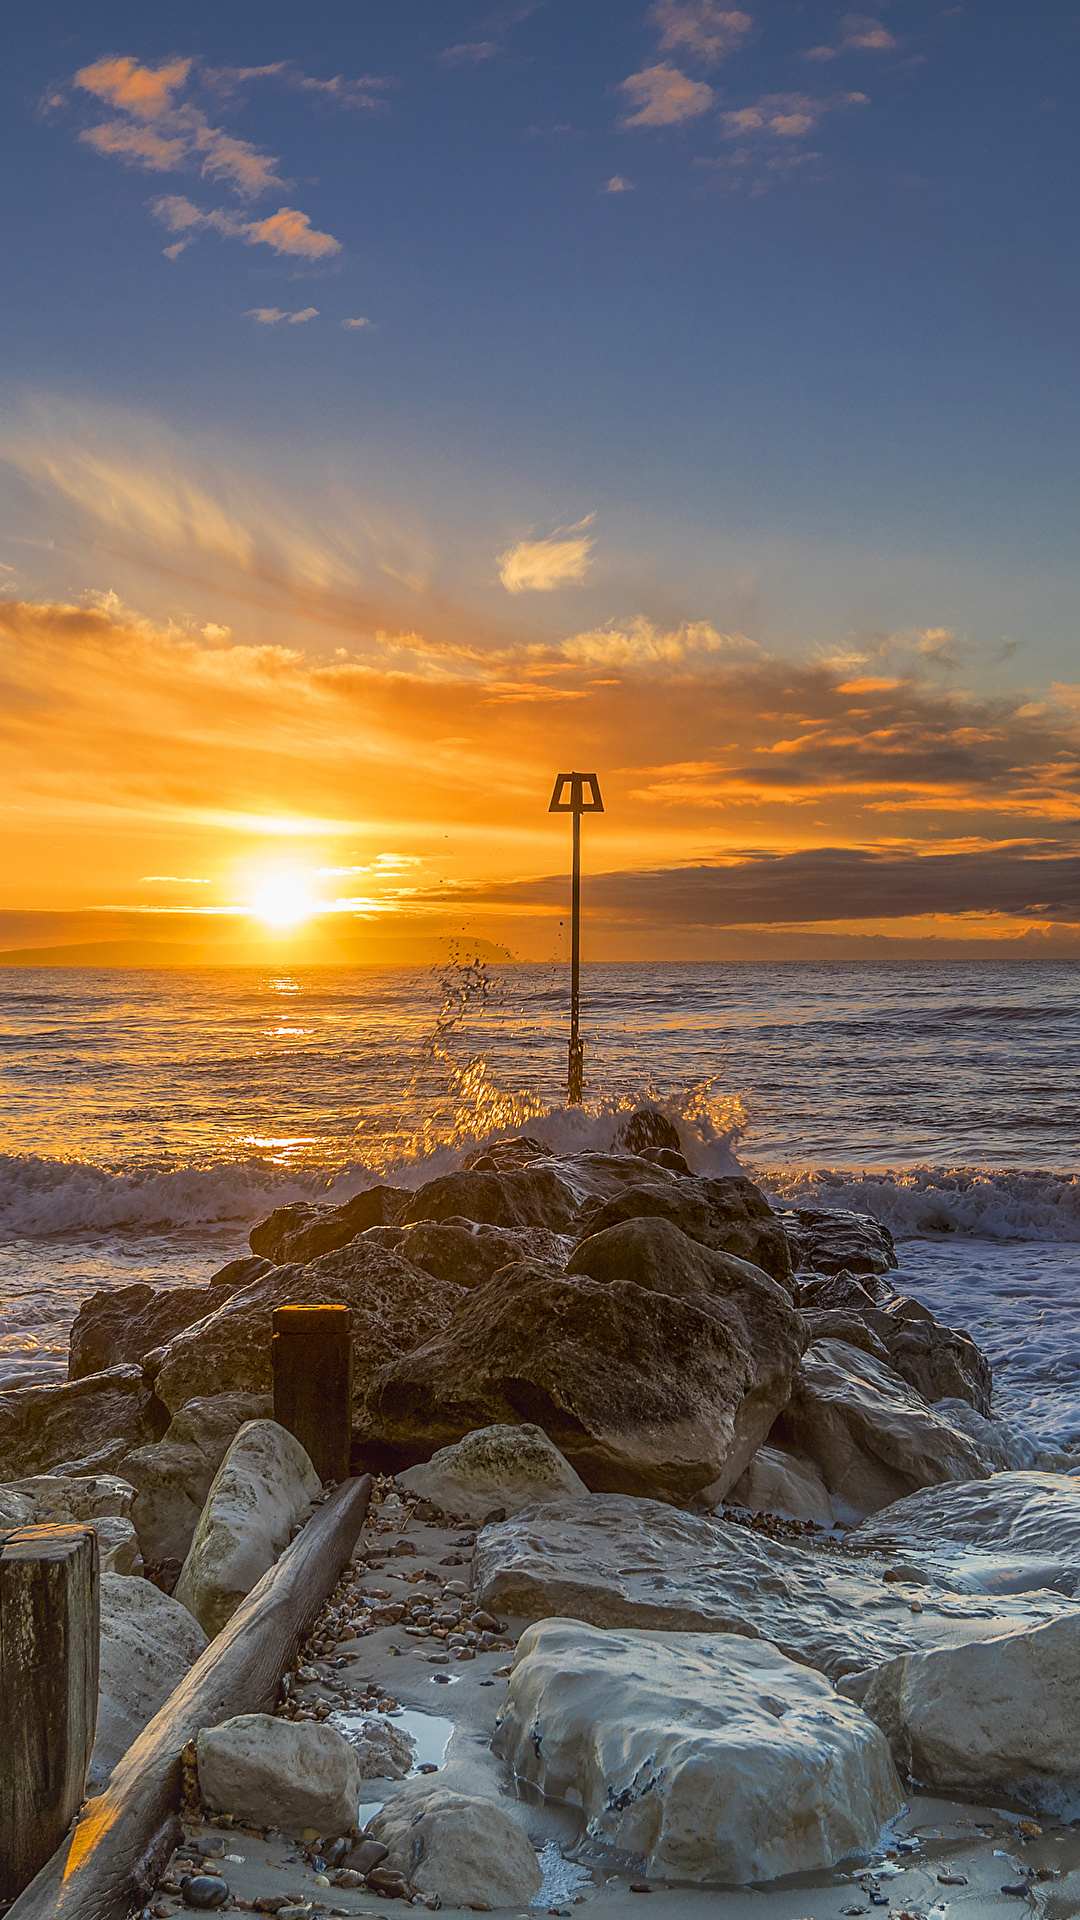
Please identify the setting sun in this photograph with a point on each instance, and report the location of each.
(282, 901)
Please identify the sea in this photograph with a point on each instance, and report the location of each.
(148, 1119)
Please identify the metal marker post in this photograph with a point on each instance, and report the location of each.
(577, 805)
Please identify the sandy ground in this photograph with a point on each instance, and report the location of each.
(458, 1703)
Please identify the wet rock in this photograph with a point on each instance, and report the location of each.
(395, 1306)
(264, 1485)
(1002, 1715)
(297, 1776)
(531, 1196)
(829, 1239)
(123, 1323)
(368, 1855)
(649, 1128)
(620, 1562)
(1011, 1533)
(468, 1851)
(836, 1324)
(148, 1643)
(729, 1215)
(638, 1390)
(780, 1483)
(505, 1156)
(939, 1362)
(508, 1467)
(40, 1425)
(172, 1478)
(713, 1757)
(469, 1254)
(204, 1890)
(296, 1234)
(872, 1436)
(382, 1750)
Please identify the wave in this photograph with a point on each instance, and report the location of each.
(914, 1202)
(41, 1196)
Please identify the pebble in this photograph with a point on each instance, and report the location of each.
(204, 1890)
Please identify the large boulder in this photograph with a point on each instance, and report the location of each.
(148, 1643)
(1009, 1534)
(621, 1562)
(123, 1323)
(714, 1758)
(266, 1772)
(470, 1254)
(833, 1239)
(395, 1306)
(295, 1234)
(1000, 1716)
(464, 1850)
(507, 1467)
(640, 1391)
(172, 1478)
(42, 1425)
(873, 1438)
(535, 1195)
(263, 1487)
(102, 1502)
(941, 1363)
(730, 1215)
(783, 1484)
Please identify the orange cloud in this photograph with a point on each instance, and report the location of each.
(661, 96)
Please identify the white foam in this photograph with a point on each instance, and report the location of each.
(990, 1203)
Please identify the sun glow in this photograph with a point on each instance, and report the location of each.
(282, 901)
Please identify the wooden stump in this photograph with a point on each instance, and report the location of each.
(311, 1356)
(50, 1618)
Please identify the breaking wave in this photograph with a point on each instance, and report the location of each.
(916, 1202)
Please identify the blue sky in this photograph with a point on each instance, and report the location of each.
(759, 319)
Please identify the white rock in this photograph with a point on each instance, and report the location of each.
(778, 1482)
(148, 1643)
(492, 1467)
(118, 1545)
(998, 1715)
(468, 1850)
(16, 1509)
(279, 1773)
(873, 1437)
(383, 1751)
(173, 1476)
(1010, 1534)
(617, 1561)
(264, 1484)
(57, 1497)
(712, 1757)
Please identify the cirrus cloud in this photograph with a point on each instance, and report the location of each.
(538, 566)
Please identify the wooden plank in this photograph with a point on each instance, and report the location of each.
(311, 1356)
(49, 1630)
(96, 1873)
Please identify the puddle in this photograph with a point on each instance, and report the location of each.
(429, 1733)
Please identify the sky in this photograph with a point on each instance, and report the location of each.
(400, 405)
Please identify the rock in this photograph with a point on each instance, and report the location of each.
(648, 1128)
(781, 1483)
(40, 1425)
(265, 1772)
(468, 1851)
(123, 1323)
(504, 1156)
(118, 1545)
(204, 1890)
(469, 1255)
(382, 1750)
(107, 1459)
(836, 1324)
(730, 1215)
(872, 1436)
(939, 1362)
(56, 1497)
(1008, 1534)
(714, 1758)
(828, 1239)
(16, 1509)
(264, 1485)
(172, 1478)
(395, 1306)
(308, 1228)
(148, 1644)
(508, 1467)
(535, 1195)
(620, 1562)
(638, 1390)
(1002, 1715)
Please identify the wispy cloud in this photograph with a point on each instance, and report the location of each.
(368, 91)
(700, 28)
(269, 316)
(860, 33)
(357, 323)
(469, 53)
(639, 643)
(618, 184)
(164, 135)
(286, 231)
(538, 566)
(662, 96)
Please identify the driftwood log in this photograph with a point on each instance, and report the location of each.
(49, 1623)
(124, 1835)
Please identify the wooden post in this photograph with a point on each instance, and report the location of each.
(311, 1355)
(50, 1619)
(123, 1834)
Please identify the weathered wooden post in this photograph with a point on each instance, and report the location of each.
(50, 1619)
(311, 1356)
(577, 805)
